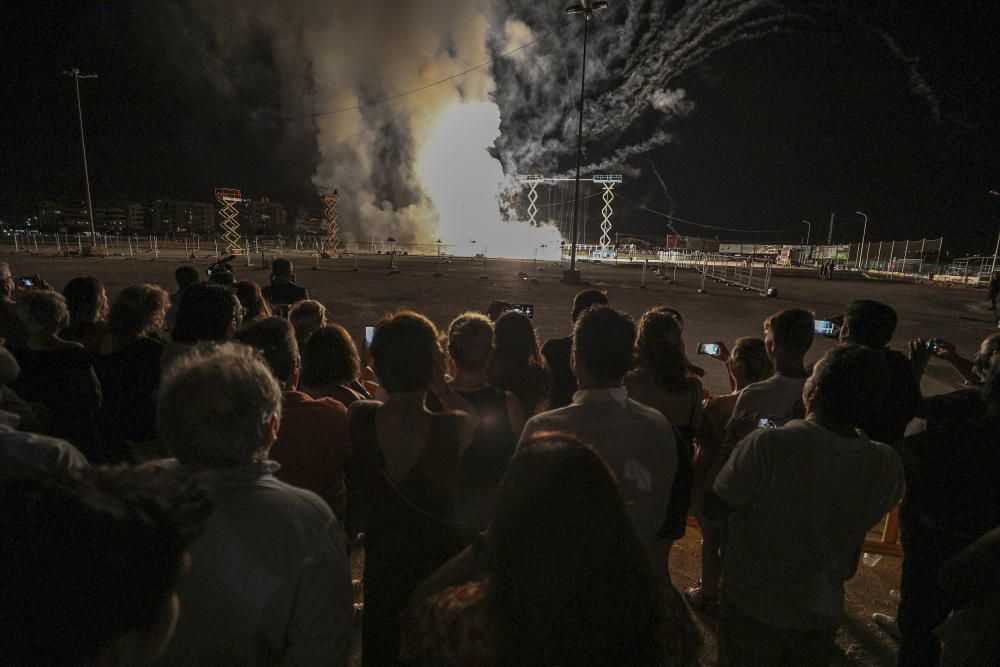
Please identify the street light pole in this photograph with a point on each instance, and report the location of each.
(809, 228)
(864, 232)
(75, 73)
(587, 8)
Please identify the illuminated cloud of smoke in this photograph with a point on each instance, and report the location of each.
(405, 173)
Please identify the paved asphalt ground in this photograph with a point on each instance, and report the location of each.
(357, 298)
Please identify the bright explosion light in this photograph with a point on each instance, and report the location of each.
(464, 182)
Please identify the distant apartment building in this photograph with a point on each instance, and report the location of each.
(63, 215)
(306, 220)
(268, 218)
(172, 216)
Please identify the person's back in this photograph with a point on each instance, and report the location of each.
(792, 545)
(800, 500)
(872, 324)
(269, 581)
(407, 461)
(557, 352)
(485, 459)
(788, 335)
(283, 291)
(58, 374)
(129, 378)
(952, 498)
(311, 445)
(635, 440)
(271, 563)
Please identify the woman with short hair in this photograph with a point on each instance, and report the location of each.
(331, 366)
(57, 373)
(130, 373)
(408, 461)
(87, 302)
(501, 418)
(307, 317)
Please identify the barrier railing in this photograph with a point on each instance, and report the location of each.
(746, 273)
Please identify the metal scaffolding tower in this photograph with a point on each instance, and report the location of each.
(331, 224)
(607, 181)
(228, 219)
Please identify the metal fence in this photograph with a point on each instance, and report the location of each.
(748, 274)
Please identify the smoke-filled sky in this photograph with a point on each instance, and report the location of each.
(733, 114)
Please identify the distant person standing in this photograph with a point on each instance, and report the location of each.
(283, 291)
(994, 290)
(557, 351)
(185, 276)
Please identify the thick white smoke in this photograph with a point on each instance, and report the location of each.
(421, 166)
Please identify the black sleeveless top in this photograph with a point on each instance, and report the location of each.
(485, 459)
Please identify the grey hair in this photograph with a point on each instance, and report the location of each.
(43, 311)
(214, 405)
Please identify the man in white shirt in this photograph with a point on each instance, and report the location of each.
(800, 500)
(636, 441)
(788, 335)
(269, 581)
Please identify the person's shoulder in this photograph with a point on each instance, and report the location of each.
(326, 404)
(560, 414)
(555, 344)
(654, 416)
(302, 504)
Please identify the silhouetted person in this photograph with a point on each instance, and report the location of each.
(635, 440)
(90, 563)
(557, 352)
(269, 582)
(87, 303)
(283, 291)
(800, 500)
(312, 441)
(872, 324)
(952, 498)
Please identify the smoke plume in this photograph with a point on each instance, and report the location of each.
(442, 162)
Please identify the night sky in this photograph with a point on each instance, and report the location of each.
(823, 116)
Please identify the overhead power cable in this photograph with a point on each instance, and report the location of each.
(330, 112)
(618, 195)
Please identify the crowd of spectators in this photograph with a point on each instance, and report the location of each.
(185, 478)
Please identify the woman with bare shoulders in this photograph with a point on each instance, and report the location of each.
(408, 461)
(660, 380)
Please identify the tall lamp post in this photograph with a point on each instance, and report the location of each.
(864, 233)
(75, 73)
(809, 229)
(587, 9)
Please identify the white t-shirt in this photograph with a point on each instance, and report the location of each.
(635, 441)
(805, 498)
(774, 398)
